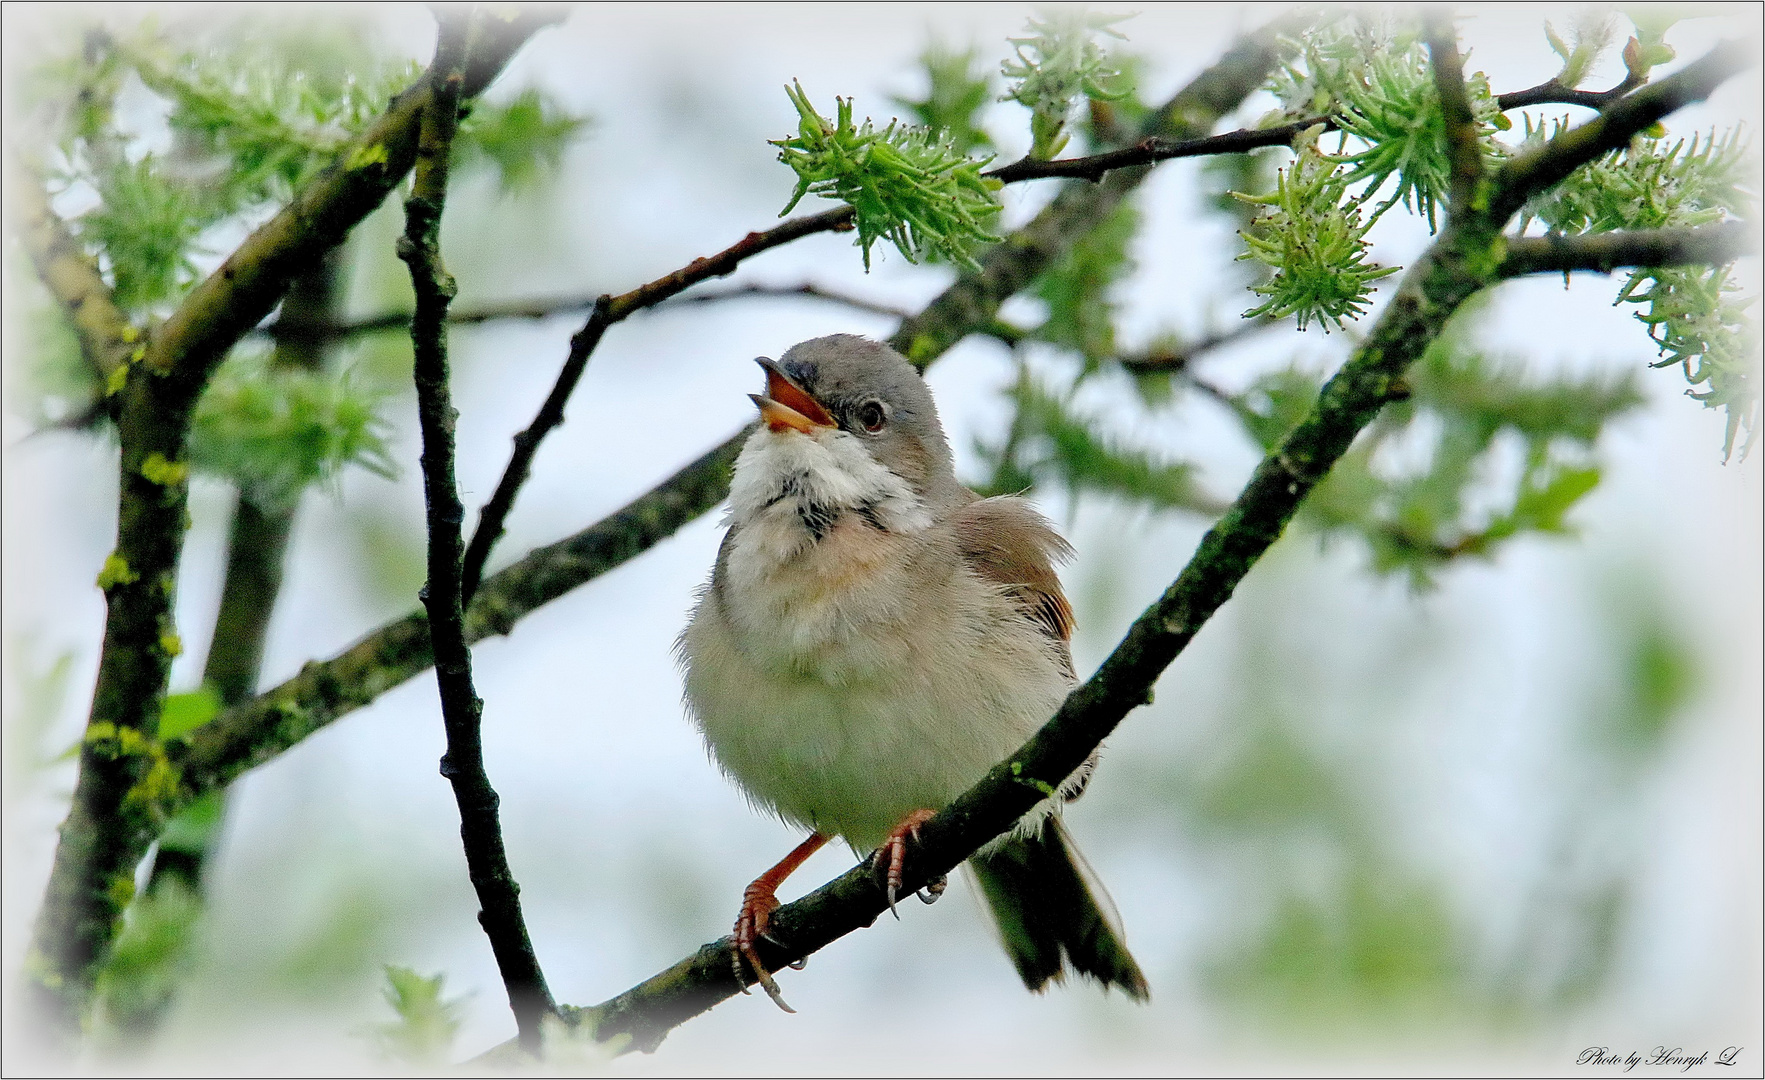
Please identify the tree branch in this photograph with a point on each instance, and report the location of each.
(278, 330)
(1151, 150)
(1708, 245)
(1553, 92)
(778, 292)
(127, 785)
(462, 711)
(237, 296)
(1529, 173)
(106, 336)
(256, 548)
(1463, 152)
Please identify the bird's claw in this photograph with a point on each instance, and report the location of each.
(934, 889)
(750, 926)
(892, 855)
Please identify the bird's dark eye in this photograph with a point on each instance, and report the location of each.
(871, 416)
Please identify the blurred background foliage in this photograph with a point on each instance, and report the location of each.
(1288, 837)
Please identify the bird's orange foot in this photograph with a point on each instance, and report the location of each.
(758, 904)
(891, 857)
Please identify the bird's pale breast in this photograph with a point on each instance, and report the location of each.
(849, 681)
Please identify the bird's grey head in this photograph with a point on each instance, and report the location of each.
(870, 391)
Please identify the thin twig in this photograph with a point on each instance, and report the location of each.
(1553, 92)
(807, 290)
(1151, 150)
(1704, 245)
(1533, 171)
(278, 330)
(462, 711)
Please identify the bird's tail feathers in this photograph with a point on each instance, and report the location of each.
(1052, 912)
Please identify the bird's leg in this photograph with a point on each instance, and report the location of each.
(891, 857)
(759, 900)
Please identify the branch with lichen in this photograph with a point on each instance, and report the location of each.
(127, 785)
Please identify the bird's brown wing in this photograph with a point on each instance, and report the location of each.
(1006, 541)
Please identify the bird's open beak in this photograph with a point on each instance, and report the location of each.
(786, 405)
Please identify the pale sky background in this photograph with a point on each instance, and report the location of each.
(1450, 717)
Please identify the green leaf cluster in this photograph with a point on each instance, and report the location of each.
(1312, 236)
(1051, 441)
(148, 960)
(252, 108)
(522, 139)
(275, 431)
(908, 185)
(1590, 35)
(1076, 288)
(1373, 77)
(249, 116)
(1055, 64)
(1416, 518)
(1692, 313)
(957, 88)
(427, 1021)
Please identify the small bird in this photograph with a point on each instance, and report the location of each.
(875, 637)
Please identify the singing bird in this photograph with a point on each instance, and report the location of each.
(875, 637)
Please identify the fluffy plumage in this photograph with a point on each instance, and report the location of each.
(875, 637)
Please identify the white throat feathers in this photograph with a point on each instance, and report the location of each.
(796, 487)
